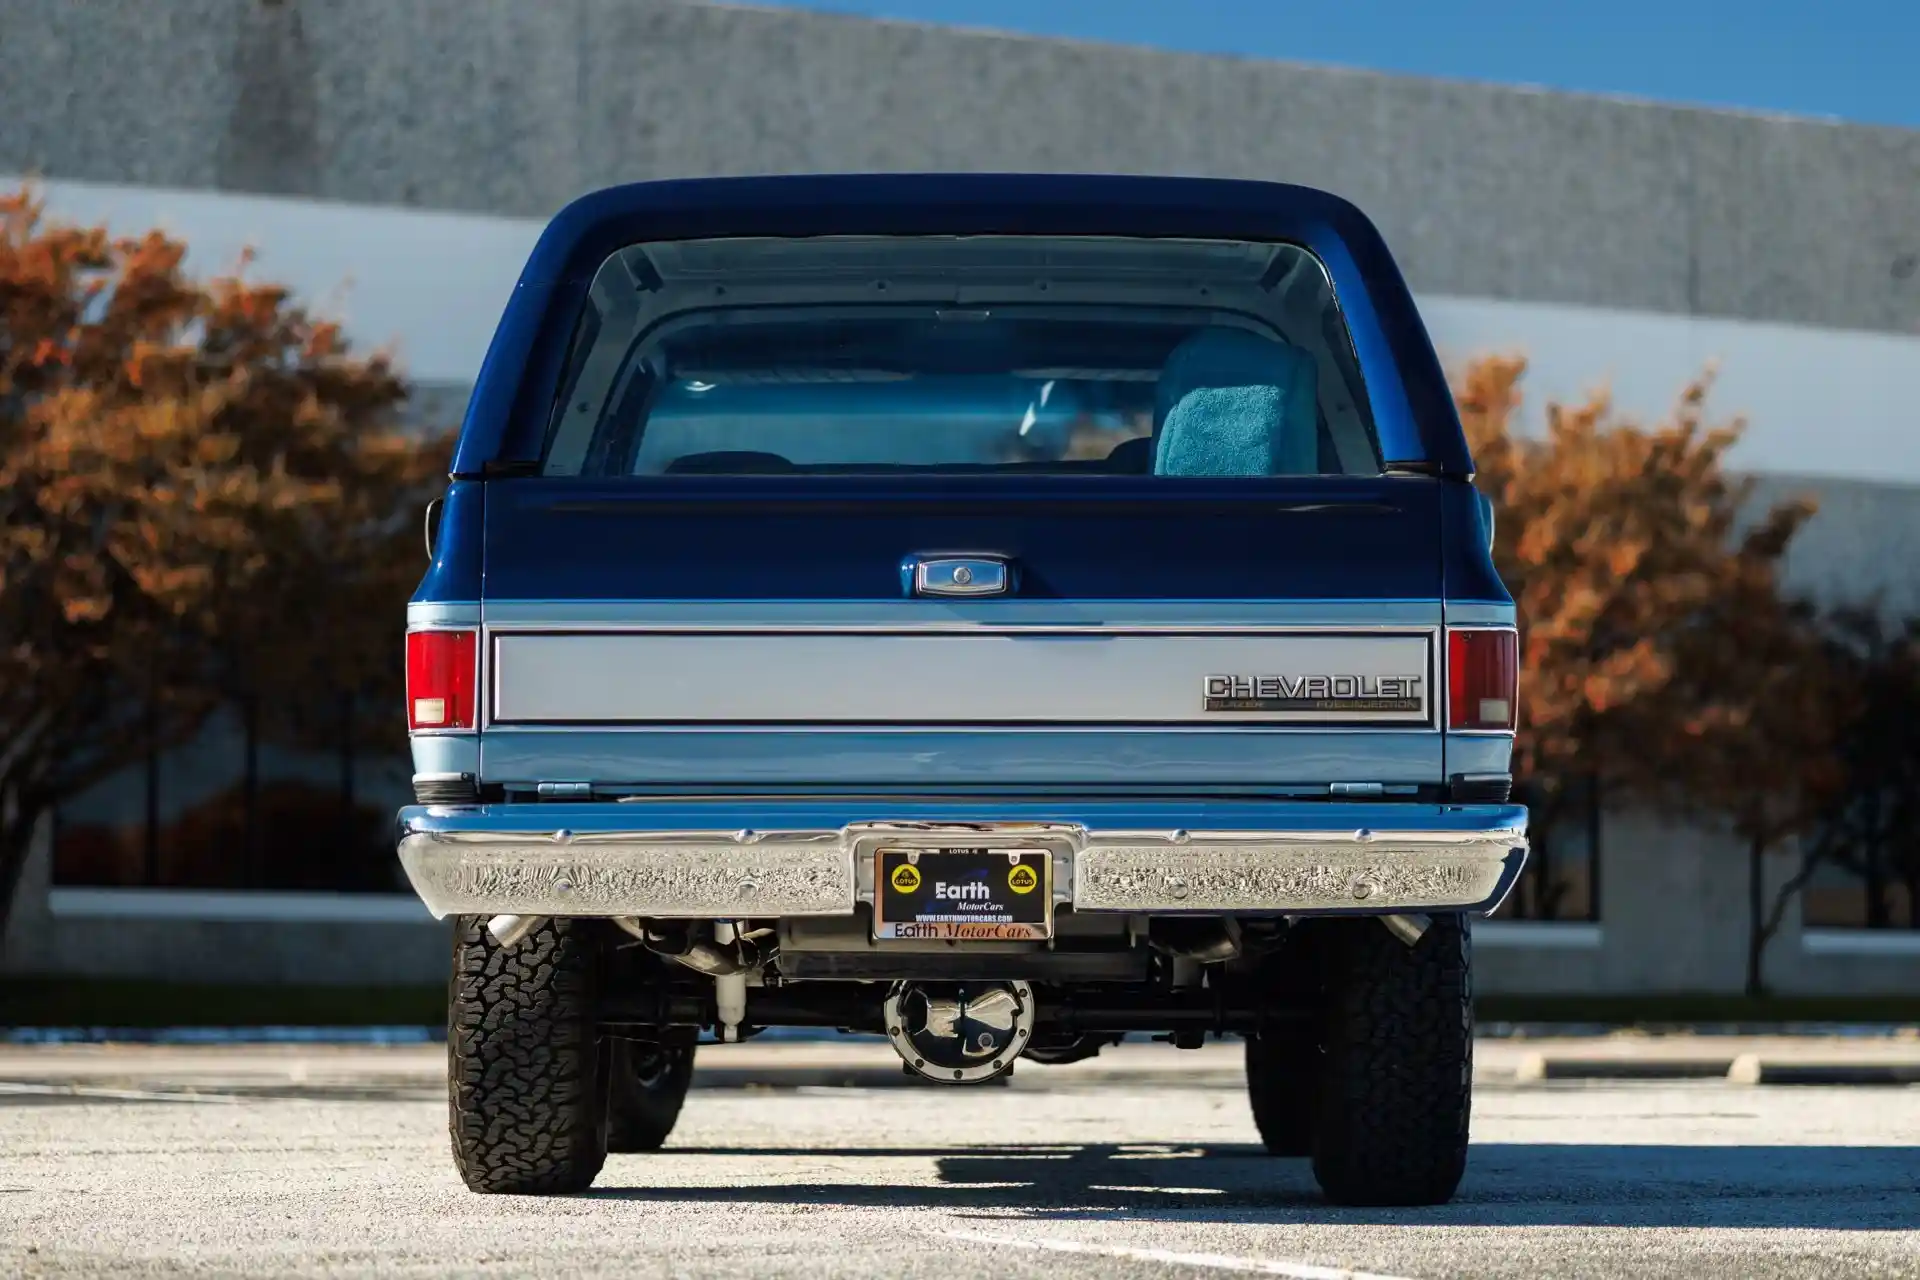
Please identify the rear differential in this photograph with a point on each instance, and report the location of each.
(959, 1032)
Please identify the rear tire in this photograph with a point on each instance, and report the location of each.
(1396, 1086)
(649, 1085)
(1282, 1079)
(525, 1069)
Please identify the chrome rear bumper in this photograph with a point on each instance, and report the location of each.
(725, 859)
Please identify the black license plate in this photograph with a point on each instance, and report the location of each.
(985, 895)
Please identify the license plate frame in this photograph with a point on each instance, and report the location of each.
(985, 899)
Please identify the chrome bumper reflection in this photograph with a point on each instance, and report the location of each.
(721, 859)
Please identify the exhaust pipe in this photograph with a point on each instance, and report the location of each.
(719, 960)
(1408, 928)
(714, 959)
(1201, 941)
(509, 930)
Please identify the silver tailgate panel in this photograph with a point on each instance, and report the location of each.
(1023, 676)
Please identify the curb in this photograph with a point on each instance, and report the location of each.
(1535, 1067)
(1751, 1068)
(1746, 1068)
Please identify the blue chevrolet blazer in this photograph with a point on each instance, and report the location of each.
(998, 613)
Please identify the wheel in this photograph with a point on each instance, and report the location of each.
(1396, 1083)
(1284, 1057)
(649, 1082)
(525, 1079)
(1282, 1074)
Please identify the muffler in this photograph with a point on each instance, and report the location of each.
(959, 1032)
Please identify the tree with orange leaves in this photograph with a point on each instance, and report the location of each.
(1652, 624)
(204, 496)
(1772, 704)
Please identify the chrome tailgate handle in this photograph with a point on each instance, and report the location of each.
(973, 574)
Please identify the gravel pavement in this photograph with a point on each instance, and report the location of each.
(820, 1160)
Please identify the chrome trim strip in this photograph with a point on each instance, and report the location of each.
(1479, 613)
(977, 760)
(723, 858)
(1221, 727)
(439, 613)
(962, 615)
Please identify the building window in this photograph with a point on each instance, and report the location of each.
(1562, 879)
(236, 809)
(1862, 892)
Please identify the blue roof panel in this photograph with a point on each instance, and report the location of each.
(1412, 406)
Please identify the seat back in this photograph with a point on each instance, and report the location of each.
(1232, 403)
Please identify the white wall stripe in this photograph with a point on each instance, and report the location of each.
(239, 905)
(1819, 402)
(1551, 935)
(431, 285)
(1860, 942)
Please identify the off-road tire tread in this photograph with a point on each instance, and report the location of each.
(1397, 1085)
(525, 1085)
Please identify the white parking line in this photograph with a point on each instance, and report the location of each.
(112, 1095)
(1216, 1261)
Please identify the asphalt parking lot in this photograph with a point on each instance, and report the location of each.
(811, 1160)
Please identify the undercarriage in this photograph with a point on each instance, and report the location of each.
(1358, 1029)
(1179, 978)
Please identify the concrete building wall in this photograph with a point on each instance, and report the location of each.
(196, 937)
(503, 107)
(393, 159)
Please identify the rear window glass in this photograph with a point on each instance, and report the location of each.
(977, 354)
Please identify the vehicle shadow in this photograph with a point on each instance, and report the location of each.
(1507, 1184)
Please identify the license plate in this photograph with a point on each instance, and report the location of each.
(984, 895)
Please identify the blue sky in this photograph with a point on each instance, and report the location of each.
(1852, 59)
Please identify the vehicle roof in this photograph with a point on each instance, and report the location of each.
(1412, 407)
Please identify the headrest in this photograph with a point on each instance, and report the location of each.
(1132, 457)
(728, 462)
(1231, 403)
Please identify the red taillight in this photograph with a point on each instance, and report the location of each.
(440, 678)
(1483, 679)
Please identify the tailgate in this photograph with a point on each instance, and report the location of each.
(1198, 637)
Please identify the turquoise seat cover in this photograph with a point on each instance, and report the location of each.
(1232, 403)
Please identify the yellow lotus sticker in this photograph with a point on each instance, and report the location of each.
(905, 879)
(1023, 879)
